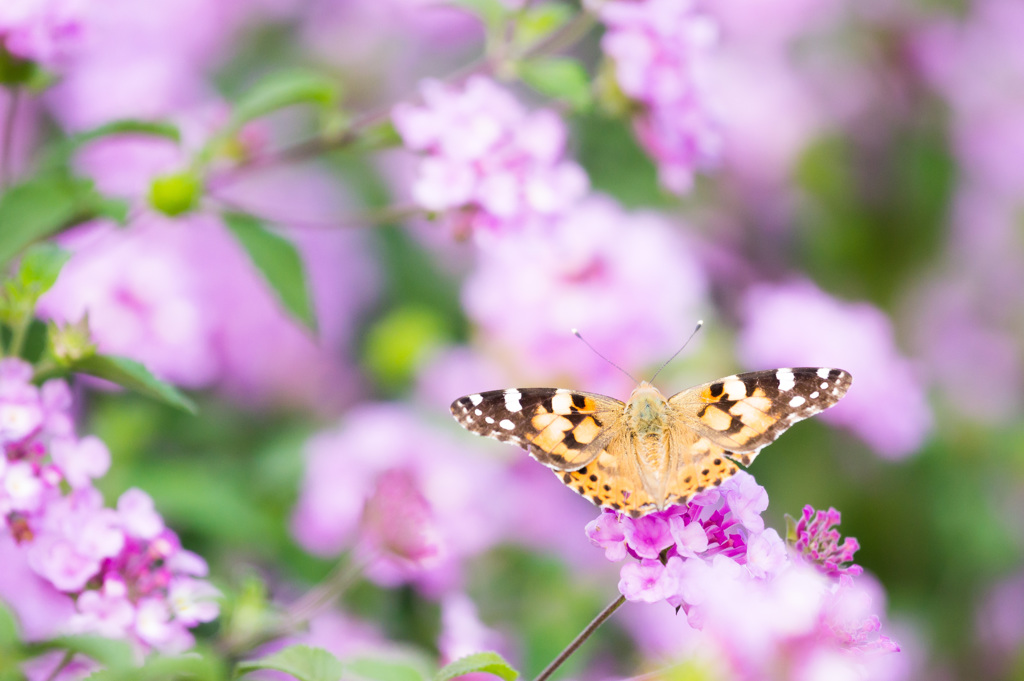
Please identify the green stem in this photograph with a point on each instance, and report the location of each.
(19, 332)
(579, 640)
(326, 592)
(64, 662)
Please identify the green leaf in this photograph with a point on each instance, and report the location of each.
(396, 668)
(536, 23)
(280, 90)
(40, 267)
(279, 262)
(492, 13)
(45, 204)
(114, 654)
(487, 662)
(562, 78)
(59, 153)
(134, 376)
(8, 627)
(191, 666)
(303, 662)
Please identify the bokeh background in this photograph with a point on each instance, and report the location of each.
(831, 183)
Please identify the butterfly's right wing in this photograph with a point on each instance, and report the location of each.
(563, 429)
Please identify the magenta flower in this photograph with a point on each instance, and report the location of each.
(660, 50)
(486, 161)
(818, 541)
(797, 323)
(398, 524)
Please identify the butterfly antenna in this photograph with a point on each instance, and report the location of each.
(577, 334)
(669, 360)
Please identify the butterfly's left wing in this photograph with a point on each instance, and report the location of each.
(563, 429)
(738, 415)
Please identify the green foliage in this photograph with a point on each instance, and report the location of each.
(283, 89)
(405, 666)
(487, 662)
(278, 261)
(561, 78)
(132, 375)
(45, 204)
(492, 13)
(303, 662)
(538, 21)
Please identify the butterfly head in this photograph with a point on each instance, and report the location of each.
(646, 409)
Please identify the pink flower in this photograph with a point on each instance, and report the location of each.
(486, 156)
(798, 324)
(138, 514)
(193, 601)
(647, 581)
(42, 30)
(427, 494)
(80, 461)
(660, 50)
(593, 270)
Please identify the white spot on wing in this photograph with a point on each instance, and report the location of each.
(561, 402)
(506, 424)
(734, 390)
(478, 412)
(796, 401)
(823, 372)
(476, 399)
(814, 395)
(488, 419)
(512, 402)
(823, 385)
(786, 379)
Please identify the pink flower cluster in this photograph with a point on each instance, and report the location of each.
(495, 165)
(818, 541)
(41, 30)
(127, 573)
(738, 583)
(660, 48)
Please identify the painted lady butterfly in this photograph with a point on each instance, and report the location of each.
(651, 452)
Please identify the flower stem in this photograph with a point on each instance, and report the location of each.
(579, 640)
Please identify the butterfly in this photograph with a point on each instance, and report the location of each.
(649, 453)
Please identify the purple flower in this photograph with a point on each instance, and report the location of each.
(818, 541)
(398, 523)
(127, 573)
(80, 461)
(649, 581)
(660, 49)
(44, 31)
(486, 157)
(428, 491)
(739, 587)
(797, 324)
